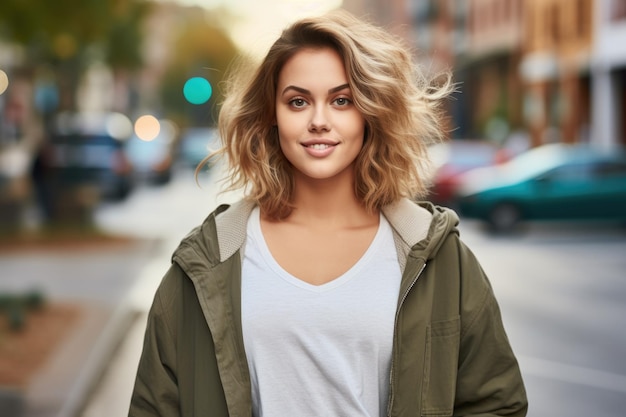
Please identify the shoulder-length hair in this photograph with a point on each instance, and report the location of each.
(401, 108)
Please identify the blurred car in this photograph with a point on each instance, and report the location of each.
(86, 151)
(197, 143)
(152, 160)
(551, 182)
(455, 157)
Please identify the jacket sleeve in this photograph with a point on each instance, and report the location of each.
(156, 389)
(489, 381)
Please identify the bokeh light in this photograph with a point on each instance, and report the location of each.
(119, 126)
(4, 81)
(168, 130)
(147, 127)
(197, 90)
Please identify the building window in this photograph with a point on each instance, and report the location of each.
(554, 27)
(583, 18)
(618, 10)
(530, 33)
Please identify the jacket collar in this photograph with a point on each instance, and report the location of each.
(232, 226)
(412, 224)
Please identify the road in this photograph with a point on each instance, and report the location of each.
(562, 291)
(561, 288)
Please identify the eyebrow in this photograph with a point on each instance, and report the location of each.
(307, 92)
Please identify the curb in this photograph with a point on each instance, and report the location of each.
(137, 301)
(104, 348)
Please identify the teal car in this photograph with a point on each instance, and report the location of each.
(551, 182)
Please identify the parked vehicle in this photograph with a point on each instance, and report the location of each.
(551, 182)
(85, 154)
(196, 144)
(455, 157)
(152, 160)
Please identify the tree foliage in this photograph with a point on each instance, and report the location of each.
(64, 38)
(201, 49)
(67, 36)
(53, 32)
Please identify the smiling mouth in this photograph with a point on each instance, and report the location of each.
(319, 146)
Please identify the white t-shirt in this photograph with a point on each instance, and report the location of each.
(319, 350)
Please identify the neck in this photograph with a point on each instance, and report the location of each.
(329, 203)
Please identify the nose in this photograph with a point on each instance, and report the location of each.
(319, 120)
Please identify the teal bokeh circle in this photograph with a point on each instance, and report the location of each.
(197, 90)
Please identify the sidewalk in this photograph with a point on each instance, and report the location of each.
(111, 396)
(95, 279)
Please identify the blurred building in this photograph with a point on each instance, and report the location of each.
(552, 69)
(489, 69)
(391, 14)
(555, 70)
(434, 29)
(608, 72)
(161, 27)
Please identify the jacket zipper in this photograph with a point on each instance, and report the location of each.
(406, 293)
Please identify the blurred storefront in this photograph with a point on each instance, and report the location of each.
(555, 70)
(490, 68)
(609, 74)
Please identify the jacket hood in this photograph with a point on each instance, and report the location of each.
(444, 222)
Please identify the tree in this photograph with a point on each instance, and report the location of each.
(201, 49)
(68, 35)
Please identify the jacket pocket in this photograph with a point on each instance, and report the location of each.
(440, 367)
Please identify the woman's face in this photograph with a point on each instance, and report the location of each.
(321, 132)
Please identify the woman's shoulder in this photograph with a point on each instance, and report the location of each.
(217, 238)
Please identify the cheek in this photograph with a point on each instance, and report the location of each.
(290, 127)
(360, 127)
(285, 140)
(282, 121)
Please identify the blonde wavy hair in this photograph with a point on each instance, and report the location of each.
(401, 108)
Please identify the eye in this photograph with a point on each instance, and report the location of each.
(343, 101)
(297, 102)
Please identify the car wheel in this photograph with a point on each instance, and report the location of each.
(122, 190)
(505, 217)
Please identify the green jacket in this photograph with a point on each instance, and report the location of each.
(451, 356)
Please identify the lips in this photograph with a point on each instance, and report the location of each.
(319, 143)
(319, 147)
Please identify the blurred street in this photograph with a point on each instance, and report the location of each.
(561, 289)
(562, 294)
(101, 124)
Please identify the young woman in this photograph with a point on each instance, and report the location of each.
(327, 291)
